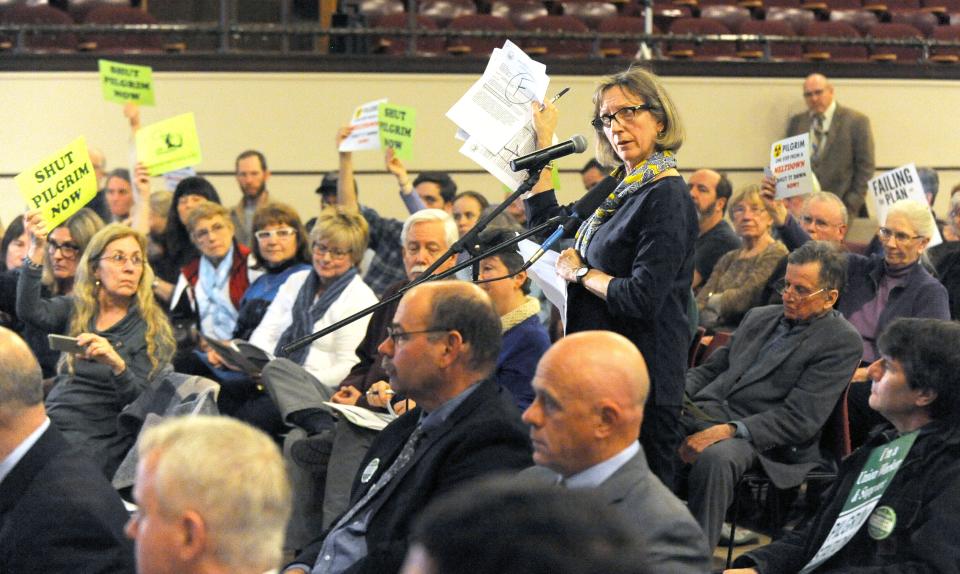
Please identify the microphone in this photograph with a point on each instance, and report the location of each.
(581, 211)
(576, 144)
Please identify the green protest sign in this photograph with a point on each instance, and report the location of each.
(396, 129)
(169, 145)
(124, 83)
(60, 184)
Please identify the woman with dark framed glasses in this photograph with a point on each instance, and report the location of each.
(632, 263)
(59, 253)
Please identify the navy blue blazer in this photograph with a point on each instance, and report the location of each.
(648, 246)
(483, 435)
(59, 514)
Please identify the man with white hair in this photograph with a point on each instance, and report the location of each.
(213, 498)
(57, 511)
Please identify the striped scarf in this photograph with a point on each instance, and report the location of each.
(643, 174)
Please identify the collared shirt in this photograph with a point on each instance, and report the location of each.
(386, 267)
(827, 119)
(347, 544)
(8, 464)
(599, 473)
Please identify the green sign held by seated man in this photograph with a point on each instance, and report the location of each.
(396, 129)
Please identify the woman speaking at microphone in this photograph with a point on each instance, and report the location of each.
(632, 262)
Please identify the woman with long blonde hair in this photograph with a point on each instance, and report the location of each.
(124, 335)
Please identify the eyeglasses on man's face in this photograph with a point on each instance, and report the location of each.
(785, 289)
(397, 334)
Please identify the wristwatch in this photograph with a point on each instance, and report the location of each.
(580, 274)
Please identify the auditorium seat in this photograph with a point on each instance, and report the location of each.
(949, 55)
(621, 25)
(443, 11)
(778, 51)
(729, 16)
(904, 54)
(394, 45)
(891, 5)
(922, 20)
(107, 14)
(78, 9)
(373, 9)
(831, 5)
(782, 4)
(463, 45)
(554, 47)
(797, 18)
(43, 41)
(663, 14)
(829, 51)
(698, 50)
(590, 13)
(518, 11)
(861, 19)
(941, 6)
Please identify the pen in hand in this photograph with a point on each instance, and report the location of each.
(555, 98)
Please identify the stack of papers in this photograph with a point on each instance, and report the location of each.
(494, 119)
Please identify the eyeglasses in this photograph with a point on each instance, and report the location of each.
(886, 233)
(397, 334)
(282, 233)
(818, 223)
(742, 208)
(321, 250)
(120, 259)
(204, 234)
(623, 115)
(68, 249)
(783, 288)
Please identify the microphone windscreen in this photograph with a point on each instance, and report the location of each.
(579, 143)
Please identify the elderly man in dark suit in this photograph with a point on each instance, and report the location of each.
(841, 142)
(590, 388)
(765, 398)
(440, 351)
(57, 511)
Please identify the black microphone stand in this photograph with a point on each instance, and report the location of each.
(467, 242)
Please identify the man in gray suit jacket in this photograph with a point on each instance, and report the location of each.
(590, 388)
(766, 397)
(841, 141)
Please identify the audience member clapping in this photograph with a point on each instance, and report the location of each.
(124, 335)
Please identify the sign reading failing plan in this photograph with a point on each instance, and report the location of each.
(124, 83)
(790, 164)
(169, 145)
(902, 183)
(60, 184)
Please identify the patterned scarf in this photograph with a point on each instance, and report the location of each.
(306, 313)
(654, 165)
(529, 308)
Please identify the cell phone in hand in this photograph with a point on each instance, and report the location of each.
(65, 344)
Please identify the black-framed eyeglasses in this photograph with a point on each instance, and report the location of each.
(397, 334)
(68, 249)
(886, 233)
(623, 115)
(800, 292)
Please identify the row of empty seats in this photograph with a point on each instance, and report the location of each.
(455, 17)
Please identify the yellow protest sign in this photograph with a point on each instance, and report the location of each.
(126, 83)
(169, 145)
(60, 184)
